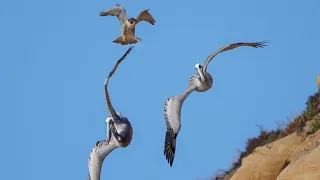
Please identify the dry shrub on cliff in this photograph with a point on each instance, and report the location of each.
(265, 137)
(313, 108)
(295, 125)
(315, 126)
(313, 104)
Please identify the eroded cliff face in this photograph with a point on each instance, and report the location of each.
(290, 153)
(294, 157)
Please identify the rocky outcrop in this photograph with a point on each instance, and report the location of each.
(294, 157)
(305, 161)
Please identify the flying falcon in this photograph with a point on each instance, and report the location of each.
(201, 82)
(119, 133)
(128, 26)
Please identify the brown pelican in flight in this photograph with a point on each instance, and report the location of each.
(202, 73)
(128, 26)
(201, 82)
(119, 132)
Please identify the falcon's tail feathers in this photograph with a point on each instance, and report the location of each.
(119, 40)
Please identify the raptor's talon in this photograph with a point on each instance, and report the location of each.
(137, 38)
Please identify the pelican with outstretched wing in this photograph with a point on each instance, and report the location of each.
(202, 73)
(119, 132)
(201, 82)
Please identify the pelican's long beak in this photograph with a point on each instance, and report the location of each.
(200, 72)
(108, 132)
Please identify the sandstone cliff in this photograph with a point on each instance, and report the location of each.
(292, 153)
(294, 157)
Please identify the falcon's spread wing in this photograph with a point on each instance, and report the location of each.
(118, 11)
(145, 16)
(97, 156)
(232, 46)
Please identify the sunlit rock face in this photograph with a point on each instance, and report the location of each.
(294, 157)
(305, 161)
(266, 162)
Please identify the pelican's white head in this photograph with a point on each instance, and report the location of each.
(199, 69)
(108, 119)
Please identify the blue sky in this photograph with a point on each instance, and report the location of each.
(55, 56)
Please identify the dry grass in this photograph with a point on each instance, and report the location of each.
(315, 126)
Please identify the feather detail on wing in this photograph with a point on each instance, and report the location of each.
(118, 11)
(170, 144)
(170, 138)
(172, 115)
(97, 156)
(172, 111)
(232, 46)
(145, 16)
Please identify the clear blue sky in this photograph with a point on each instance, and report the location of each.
(55, 56)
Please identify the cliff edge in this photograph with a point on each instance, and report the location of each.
(292, 153)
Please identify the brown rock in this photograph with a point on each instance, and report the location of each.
(305, 145)
(305, 161)
(266, 162)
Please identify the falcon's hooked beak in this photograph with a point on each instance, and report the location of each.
(132, 20)
(108, 129)
(199, 69)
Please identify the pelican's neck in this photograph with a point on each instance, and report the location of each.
(201, 74)
(97, 156)
(186, 93)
